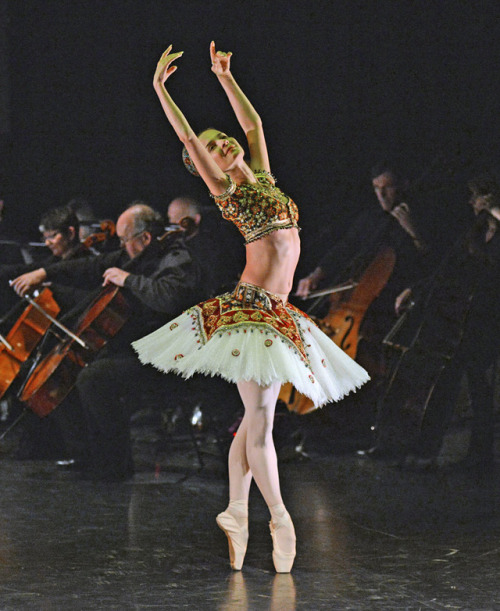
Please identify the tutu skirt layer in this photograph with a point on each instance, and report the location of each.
(251, 335)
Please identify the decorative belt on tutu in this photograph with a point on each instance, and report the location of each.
(253, 296)
(249, 308)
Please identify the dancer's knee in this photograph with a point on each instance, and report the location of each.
(260, 433)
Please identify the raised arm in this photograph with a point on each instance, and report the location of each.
(246, 114)
(209, 171)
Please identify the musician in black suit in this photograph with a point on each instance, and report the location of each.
(158, 280)
(396, 223)
(478, 280)
(220, 271)
(59, 229)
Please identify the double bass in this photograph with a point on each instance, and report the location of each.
(349, 303)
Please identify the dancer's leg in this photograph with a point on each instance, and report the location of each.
(234, 520)
(259, 405)
(240, 476)
(258, 421)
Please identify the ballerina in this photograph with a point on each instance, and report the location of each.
(252, 336)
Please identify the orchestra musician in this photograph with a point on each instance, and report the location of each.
(158, 279)
(478, 276)
(395, 223)
(97, 235)
(59, 229)
(217, 270)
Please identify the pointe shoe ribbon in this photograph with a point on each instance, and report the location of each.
(237, 538)
(283, 561)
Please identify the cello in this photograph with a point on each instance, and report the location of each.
(56, 375)
(107, 230)
(36, 319)
(25, 334)
(442, 317)
(348, 306)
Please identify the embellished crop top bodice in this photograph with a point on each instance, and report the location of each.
(257, 209)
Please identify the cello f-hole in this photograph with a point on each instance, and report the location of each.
(343, 345)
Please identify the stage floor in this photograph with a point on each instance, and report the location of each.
(370, 536)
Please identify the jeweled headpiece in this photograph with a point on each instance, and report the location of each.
(188, 162)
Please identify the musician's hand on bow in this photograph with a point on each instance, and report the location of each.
(403, 300)
(24, 283)
(164, 68)
(305, 286)
(309, 283)
(495, 212)
(221, 62)
(115, 275)
(402, 214)
(485, 203)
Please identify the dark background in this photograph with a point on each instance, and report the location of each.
(338, 85)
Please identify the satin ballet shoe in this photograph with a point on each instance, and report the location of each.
(237, 538)
(283, 561)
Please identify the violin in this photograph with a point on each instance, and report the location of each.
(349, 303)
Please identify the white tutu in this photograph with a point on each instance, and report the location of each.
(258, 339)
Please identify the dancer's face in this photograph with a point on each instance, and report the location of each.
(224, 150)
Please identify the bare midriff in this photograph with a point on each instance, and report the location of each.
(271, 261)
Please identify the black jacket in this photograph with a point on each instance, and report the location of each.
(163, 281)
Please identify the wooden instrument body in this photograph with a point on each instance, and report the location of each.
(344, 318)
(55, 376)
(24, 336)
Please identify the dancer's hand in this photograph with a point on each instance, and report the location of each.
(164, 68)
(221, 62)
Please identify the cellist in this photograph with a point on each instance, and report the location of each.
(395, 223)
(478, 278)
(158, 280)
(59, 228)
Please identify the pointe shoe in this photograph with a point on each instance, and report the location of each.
(237, 538)
(283, 561)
